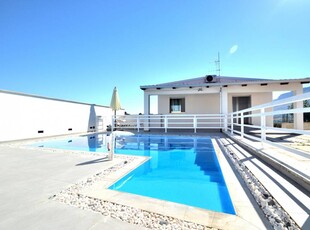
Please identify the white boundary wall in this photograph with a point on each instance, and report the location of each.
(25, 116)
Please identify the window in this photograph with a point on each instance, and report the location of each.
(177, 105)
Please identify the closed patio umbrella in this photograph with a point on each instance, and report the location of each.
(115, 102)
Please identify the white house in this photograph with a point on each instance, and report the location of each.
(220, 95)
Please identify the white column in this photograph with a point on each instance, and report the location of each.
(298, 117)
(146, 111)
(224, 106)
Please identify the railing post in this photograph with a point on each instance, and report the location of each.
(195, 123)
(221, 122)
(225, 122)
(138, 123)
(231, 123)
(263, 125)
(146, 122)
(242, 125)
(166, 123)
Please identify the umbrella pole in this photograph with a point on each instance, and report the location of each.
(114, 120)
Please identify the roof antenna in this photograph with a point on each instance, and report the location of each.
(218, 64)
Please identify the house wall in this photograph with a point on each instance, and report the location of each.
(210, 103)
(194, 104)
(163, 104)
(22, 116)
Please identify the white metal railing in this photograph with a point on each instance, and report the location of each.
(237, 126)
(261, 113)
(169, 121)
(260, 117)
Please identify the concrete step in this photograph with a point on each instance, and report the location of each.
(212, 176)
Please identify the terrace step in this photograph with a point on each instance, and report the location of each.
(293, 198)
(294, 166)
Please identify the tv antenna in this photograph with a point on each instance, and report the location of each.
(218, 64)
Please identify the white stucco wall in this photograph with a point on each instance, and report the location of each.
(163, 104)
(22, 116)
(201, 104)
(194, 104)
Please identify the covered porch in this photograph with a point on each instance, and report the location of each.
(196, 97)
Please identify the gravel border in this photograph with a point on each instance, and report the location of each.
(277, 216)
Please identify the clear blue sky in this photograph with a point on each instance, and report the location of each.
(79, 50)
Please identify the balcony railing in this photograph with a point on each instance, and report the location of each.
(171, 121)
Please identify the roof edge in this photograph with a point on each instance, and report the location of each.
(48, 98)
(161, 86)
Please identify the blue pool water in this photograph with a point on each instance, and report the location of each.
(181, 169)
(91, 143)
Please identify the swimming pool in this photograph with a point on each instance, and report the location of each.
(90, 142)
(181, 169)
